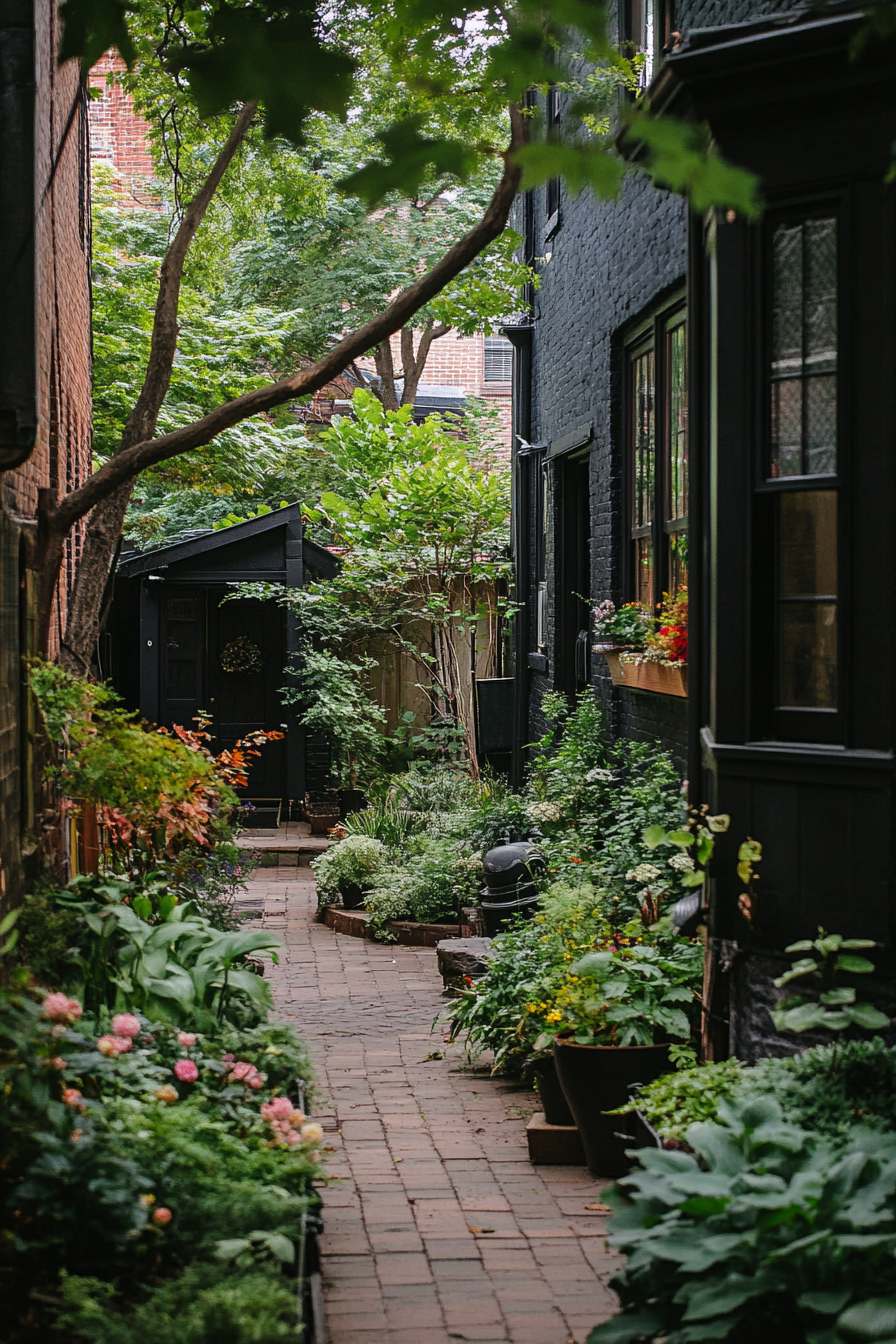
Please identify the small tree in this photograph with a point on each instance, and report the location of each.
(425, 541)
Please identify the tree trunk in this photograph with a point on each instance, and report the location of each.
(385, 368)
(106, 520)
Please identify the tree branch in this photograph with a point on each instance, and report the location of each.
(129, 462)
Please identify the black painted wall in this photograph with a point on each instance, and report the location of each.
(601, 271)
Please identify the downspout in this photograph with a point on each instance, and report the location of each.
(521, 429)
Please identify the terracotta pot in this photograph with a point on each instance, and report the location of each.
(553, 1102)
(599, 1078)
(661, 678)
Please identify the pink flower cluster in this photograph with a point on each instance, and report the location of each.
(186, 1071)
(186, 1039)
(126, 1024)
(113, 1046)
(284, 1120)
(60, 1008)
(243, 1072)
(72, 1097)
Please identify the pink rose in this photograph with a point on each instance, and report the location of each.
(257, 1081)
(187, 1072)
(60, 1008)
(186, 1038)
(72, 1097)
(113, 1046)
(126, 1024)
(161, 1217)
(58, 1062)
(242, 1071)
(280, 1108)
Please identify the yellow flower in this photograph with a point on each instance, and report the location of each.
(531, 1007)
(554, 1016)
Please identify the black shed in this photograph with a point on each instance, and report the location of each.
(168, 641)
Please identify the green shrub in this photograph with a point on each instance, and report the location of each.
(355, 861)
(207, 1304)
(831, 1088)
(768, 1234)
(677, 1100)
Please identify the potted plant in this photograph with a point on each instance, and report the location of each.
(614, 1020)
(659, 663)
(349, 869)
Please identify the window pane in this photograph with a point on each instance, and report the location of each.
(497, 360)
(807, 600)
(678, 424)
(804, 349)
(644, 570)
(644, 438)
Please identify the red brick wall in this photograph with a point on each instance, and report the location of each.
(119, 136)
(61, 457)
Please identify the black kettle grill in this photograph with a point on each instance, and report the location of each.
(510, 887)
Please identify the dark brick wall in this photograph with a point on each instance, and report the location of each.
(606, 266)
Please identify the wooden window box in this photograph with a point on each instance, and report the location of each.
(660, 678)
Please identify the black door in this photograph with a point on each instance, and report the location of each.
(182, 663)
(243, 701)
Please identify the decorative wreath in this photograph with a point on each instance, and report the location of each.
(241, 655)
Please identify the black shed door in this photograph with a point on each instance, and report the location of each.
(242, 702)
(182, 671)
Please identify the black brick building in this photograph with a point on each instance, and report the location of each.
(763, 349)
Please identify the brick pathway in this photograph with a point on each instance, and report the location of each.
(437, 1227)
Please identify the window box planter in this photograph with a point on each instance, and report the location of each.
(660, 678)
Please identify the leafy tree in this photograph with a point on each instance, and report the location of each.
(424, 534)
(288, 61)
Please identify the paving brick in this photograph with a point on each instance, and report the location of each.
(427, 1151)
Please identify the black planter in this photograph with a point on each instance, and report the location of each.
(598, 1078)
(352, 895)
(498, 914)
(351, 800)
(553, 1102)
(510, 865)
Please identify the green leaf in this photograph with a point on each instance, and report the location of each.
(694, 879)
(855, 944)
(825, 1303)
(868, 1017)
(653, 836)
(719, 1299)
(91, 27)
(680, 156)
(581, 164)
(750, 851)
(683, 838)
(804, 945)
(871, 1320)
(409, 158)
(808, 1017)
(628, 1327)
(9, 920)
(837, 996)
(281, 1246)
(854, 965)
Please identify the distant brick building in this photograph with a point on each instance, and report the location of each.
(45, 369)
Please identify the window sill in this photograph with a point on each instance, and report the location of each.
(657, 678)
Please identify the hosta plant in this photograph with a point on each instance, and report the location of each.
(768, 1234)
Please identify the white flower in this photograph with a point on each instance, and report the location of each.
(682, 863)
(544, 812)
(594, 775)
(645, 872)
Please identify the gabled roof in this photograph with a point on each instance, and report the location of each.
(136, 565)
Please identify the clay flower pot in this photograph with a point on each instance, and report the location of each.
(599, 1078)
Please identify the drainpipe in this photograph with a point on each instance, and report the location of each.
(520, 337)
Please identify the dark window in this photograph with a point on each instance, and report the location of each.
(497, 360)
(804, 349)
(182, 649)
(647, 27)
(798, 584)
(552, 187)
(657, 415)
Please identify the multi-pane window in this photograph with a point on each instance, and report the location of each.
(647, 27)
(801, 469)
(804, 349)
(658, 446)
(552, 187)
(497, 360)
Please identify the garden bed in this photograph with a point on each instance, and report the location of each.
(407, 933)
